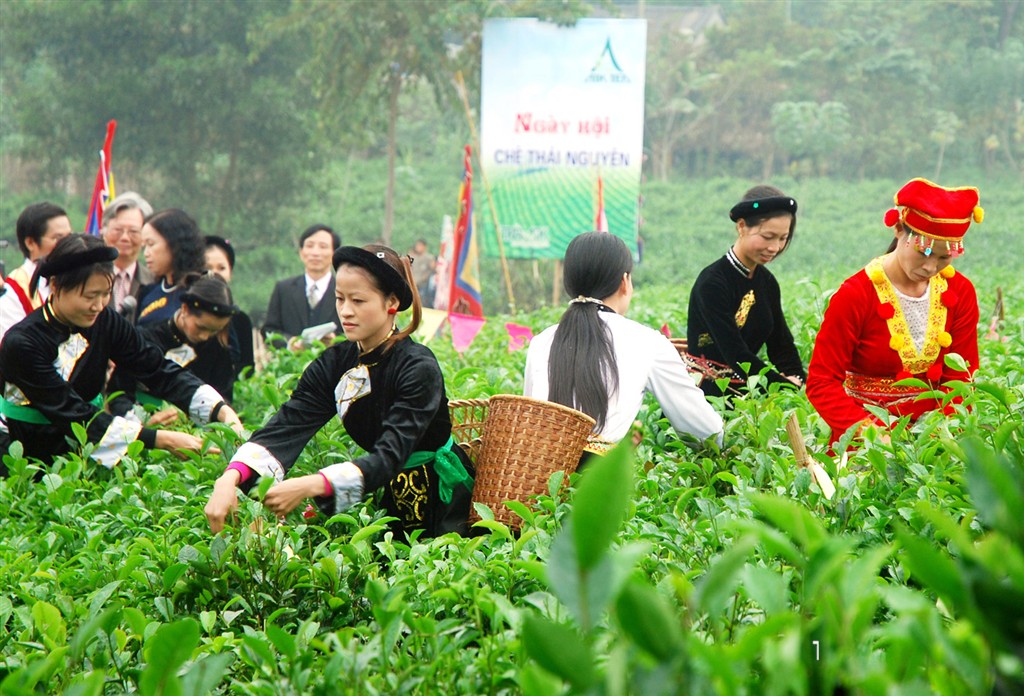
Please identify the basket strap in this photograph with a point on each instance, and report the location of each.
(28, 414)
(147, 399)
(449, 468)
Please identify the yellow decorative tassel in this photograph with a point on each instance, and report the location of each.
(979, 214)
(947, 272)
(896, 342)
(945, 339)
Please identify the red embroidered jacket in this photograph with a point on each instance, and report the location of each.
(863, 347)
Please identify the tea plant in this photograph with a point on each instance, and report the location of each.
(681, 567)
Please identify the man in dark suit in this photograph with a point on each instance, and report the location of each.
(122, 229)
(306, 300)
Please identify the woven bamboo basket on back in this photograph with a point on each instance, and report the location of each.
(468, 417)
(522, 441)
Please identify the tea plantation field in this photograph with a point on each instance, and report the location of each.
(664, 570)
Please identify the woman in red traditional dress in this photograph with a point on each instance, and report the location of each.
(901, 315)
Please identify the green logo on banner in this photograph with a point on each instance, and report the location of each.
(607, 69)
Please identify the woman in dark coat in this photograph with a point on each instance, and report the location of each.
(388, 392)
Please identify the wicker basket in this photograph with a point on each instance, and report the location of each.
(468, 417)
(525, 441)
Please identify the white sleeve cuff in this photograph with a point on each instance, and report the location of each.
(347, 483)
(259, 459)
(112, 446)
(203, 401)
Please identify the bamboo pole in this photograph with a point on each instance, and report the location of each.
(460, 85)
(796, 441)
(556, 283)
(803, 460)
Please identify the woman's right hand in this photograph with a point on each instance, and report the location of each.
(179, 443)
(164, 417)
(223, 501)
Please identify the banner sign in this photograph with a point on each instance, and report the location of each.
(562, 108)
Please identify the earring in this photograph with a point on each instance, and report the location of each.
(392, 310)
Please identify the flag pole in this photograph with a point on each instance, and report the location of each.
(102, 188)
(460, 85)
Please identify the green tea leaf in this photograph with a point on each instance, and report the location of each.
(996, 484)
(519, 509)
(49, 623)
(649, 620)
(767, 587)
(284, 642)
(260, 653)
(956, 362)
(90, 685)
(560, 650)
(601, 502)
(260, 492)
(484, 511)
(90, 630)
(208, 619)
(933, 568)
(204, 676)
(172, 574)
(715, 588)
(367, 532)
(101, 596)
(792, 518)
(165, 652)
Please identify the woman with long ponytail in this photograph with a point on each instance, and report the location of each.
(599, 362)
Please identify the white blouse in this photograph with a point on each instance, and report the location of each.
(915, 312)
(646, 361)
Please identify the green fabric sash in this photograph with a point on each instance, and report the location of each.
(449, 468)
(27, 414)
(147, 399)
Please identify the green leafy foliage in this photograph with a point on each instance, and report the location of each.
(675, 568)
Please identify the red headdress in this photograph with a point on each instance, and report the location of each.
(934, 212)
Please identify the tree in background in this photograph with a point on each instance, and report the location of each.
(361, 57)
(206, 123)
(677, 105)
(816, 133)
(943, 134)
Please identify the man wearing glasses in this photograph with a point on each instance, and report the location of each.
(122, 229)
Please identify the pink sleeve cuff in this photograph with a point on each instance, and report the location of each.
(244, 471)
(328, 488)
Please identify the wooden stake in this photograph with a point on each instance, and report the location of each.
(556, 283)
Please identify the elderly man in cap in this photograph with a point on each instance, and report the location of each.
(122, 229)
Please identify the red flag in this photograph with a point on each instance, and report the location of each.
(103, 189)
(464, 297)
(600, 220)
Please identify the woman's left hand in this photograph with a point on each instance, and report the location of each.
(284, 497)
